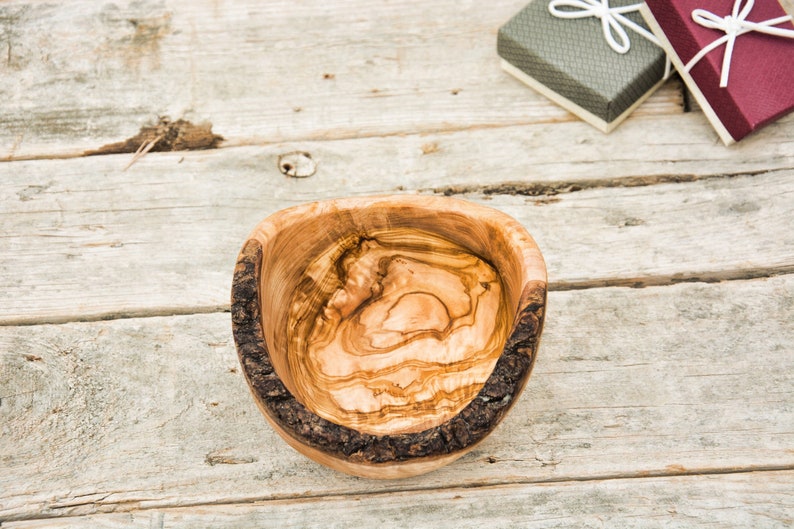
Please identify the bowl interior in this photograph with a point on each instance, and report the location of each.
(388, 317)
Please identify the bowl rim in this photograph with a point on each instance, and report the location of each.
(337, 445)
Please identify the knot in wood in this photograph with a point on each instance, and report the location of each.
(297, 164)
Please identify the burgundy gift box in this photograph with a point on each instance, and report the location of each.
(759, 73)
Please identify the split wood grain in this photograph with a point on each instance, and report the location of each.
(82, 239)
(154, 413)
(759, 500)
(80, 76)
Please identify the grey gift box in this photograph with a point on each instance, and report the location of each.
(570, 62)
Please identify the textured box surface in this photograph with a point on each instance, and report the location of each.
(571, 59)
(760, 85)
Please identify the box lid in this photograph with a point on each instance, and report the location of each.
(761, 68)
(572, 58)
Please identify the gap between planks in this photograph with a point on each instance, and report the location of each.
(265, 500)
(628, 393)
(322, 136)
(667, 280)
(231, 143)
(559, 286)
(552, 188)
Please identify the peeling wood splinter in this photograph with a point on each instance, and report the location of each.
(164, 136)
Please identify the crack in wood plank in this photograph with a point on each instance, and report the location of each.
(324, 137)
(225, 142)
(679, 330)
(558, 286)
(667, 280)
(164, 136)
(669, 471)
(539, 189)
(153, 312)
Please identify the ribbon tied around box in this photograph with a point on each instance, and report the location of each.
(612, 19)
(734, 25)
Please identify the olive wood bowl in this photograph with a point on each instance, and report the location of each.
(386, 336)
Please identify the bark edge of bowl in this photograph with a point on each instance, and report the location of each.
(404, 454)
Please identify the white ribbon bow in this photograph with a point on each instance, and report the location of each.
(734, 25)
(612, 19)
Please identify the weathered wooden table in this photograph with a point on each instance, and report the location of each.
(664, 390)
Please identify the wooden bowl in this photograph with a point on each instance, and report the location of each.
(387, 336)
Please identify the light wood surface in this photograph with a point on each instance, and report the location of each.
(678, 382)
(179, 217)
(723, 500)
(122, 403)
(270, 72)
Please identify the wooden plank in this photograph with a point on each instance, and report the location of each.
(761, 500)
(153, 412)
(78, 76)
(162, 237)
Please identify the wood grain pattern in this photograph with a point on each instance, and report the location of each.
(761, 500)
(88, 74)
(153, 412)
(657, 406)
(176, 216)
(296, 284)
(396, 332)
